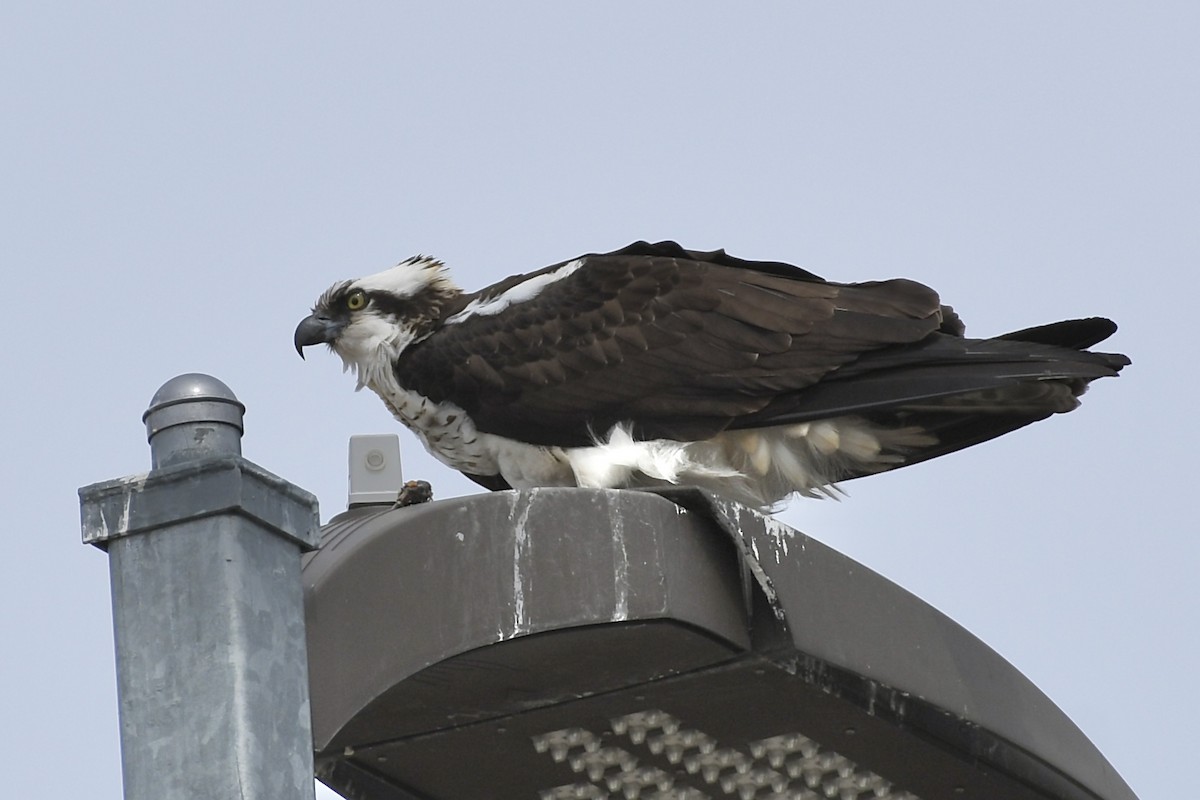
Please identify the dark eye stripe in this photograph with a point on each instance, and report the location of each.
(403, 307)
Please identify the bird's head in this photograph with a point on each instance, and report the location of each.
(370, 321)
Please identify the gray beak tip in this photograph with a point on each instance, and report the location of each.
(311, 330)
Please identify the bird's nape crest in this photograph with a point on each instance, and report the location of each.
(408, 278)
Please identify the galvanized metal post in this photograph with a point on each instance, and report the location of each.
(204, 559)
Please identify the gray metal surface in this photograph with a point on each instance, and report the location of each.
(191, 417)
(452, 644)
(204, 559)
(933, 673)
(391, 593)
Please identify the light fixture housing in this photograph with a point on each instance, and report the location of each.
(578, 643)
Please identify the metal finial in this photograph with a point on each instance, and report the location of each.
(193, 416)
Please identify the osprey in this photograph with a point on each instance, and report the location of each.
(656, 365)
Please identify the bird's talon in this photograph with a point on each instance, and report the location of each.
(413, 493)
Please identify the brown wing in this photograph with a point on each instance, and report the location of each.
(682, 344)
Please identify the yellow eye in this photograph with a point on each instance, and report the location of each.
(356, 300)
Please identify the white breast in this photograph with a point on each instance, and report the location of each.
(449, 433)
(758, 467)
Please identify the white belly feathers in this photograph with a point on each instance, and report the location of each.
(758, 467)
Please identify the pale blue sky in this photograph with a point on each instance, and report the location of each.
(178, 185)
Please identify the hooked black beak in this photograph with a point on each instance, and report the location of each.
(314, 330)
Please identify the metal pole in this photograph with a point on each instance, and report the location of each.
(208, 616)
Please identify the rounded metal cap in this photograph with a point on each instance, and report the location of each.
(193, 416)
